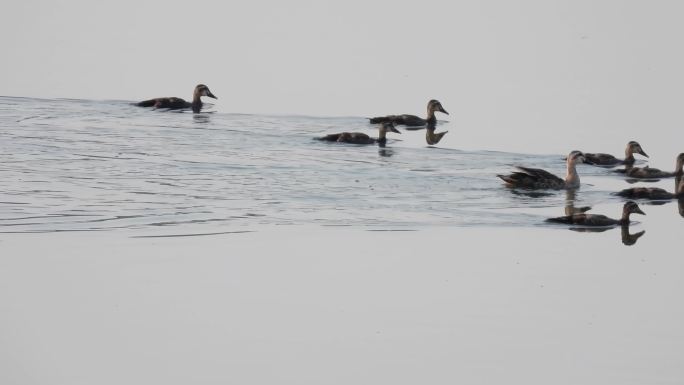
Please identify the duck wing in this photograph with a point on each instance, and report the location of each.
(645, 193)
(584, 220)
(172, 103)
(647, 172)
(601, 159)
(405, 120)
(533, 178)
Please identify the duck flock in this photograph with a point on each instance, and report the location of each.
(524, 178)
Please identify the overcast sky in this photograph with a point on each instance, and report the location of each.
(615, 65)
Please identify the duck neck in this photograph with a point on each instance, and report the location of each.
(196, 103)
(629, 157)
(382, 136)
(572, 178)
(624, 220)
(679, 167)
(431, 119)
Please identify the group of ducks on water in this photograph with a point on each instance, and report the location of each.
(386, 123)
(525, 177)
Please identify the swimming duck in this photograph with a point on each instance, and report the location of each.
(361, 138)
(599, 220)
(431, 137)
(653, 193)
(534, 178)
(654, 173)
(412, 120)
(609, 160)
(173, 103)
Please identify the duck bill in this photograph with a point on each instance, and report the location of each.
(642, 152)
(638, 211)
(442, 110)
(209, 94)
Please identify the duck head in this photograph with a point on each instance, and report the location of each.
(575, 157)
(202, 90)
(435, 105)
(634, 147)
(632, 208)
(389, 127)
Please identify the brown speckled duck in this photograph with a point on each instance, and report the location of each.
(601, 159)
(361, 138)
(173, 103)
(653, 193)
(534, 178)
(600, 220)
(412, 120)
(654, 173)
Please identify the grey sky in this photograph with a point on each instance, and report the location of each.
(611, 65)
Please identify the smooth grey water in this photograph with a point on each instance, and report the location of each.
(80, 165)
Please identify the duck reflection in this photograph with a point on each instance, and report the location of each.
(203, 118)
(385, 152)
(570, 209)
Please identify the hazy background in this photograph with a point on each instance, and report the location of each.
(536, 76)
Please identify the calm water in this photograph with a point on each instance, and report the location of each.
(80, 165)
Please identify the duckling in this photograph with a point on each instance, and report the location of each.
(534, 178)
(654, 173)
(609, 160)
(173, 103)
(652, 193)
(431, 137)
(361, 138)
(412, 120)
(599, 220)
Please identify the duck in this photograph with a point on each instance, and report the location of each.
(173, 103)
(654, 173)
(361, 138)
(601, 159)
(412, 120)
(596, 220)
(432, 137)
(534, 178)
(653, 193)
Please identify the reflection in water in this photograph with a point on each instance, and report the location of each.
(626, 238)
(681, 207)
(203, 118)
(386, 152)
(570, 209)
(630, 239)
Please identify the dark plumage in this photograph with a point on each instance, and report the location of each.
(601, 159)
(653, 193)
(534, 178)
(654, 173)
(597, 219)
(361, 138)
(412, 120)
(173, 103)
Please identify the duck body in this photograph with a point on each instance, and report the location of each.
(412, 120)
(535, 178)
(597, 220)
(651, 193)
(601, 159)
(654, 193)
(174, 103)
(361, 138)
(654, 173)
